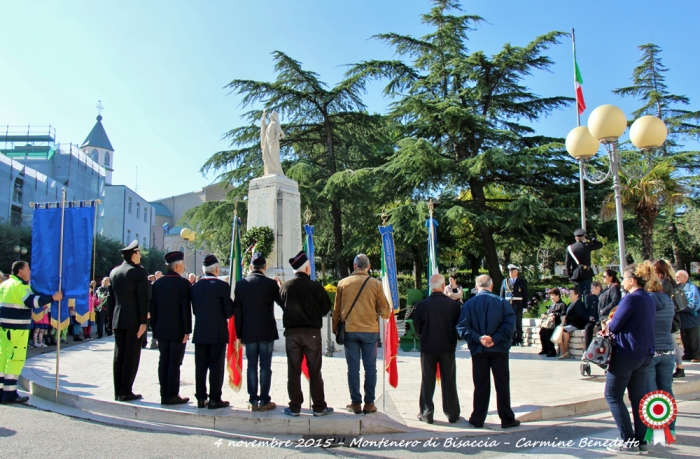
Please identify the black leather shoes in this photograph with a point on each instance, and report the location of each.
(515, 423)
(201, 403)
(177, 400)
(213, 405)
(130, 397)
(19, 399)
(426, 418)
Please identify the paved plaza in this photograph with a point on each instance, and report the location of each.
(541, 388)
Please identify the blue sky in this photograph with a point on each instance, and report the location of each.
(159, 66)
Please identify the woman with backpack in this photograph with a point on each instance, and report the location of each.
(665, 273)
(660, 371)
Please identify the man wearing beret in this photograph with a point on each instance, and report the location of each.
(212, 307)
(256, 327)
(171, 321)
(128, 302)
(578, 261)
(305, 304)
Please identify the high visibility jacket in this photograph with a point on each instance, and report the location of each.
(17, 301)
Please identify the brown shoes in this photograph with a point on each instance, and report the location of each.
(354, 408)
(369, 408)
(268, 406)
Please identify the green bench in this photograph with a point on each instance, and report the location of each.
(410, 340)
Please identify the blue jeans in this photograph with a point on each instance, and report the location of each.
(361, 345)
(631, 374)
(253, 352)
(660, 376)
(584, 287)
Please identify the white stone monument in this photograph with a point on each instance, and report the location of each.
(274, 201)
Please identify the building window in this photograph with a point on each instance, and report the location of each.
(137, 237)
(182, 249)
(138, 210)
(145, 216)
(129, 204)
(128, 236)
(107, 158)
(95, 156)
(18, 191)
(144, 243)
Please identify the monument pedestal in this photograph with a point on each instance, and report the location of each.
(274, 201)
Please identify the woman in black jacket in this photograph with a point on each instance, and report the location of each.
(667, 277)
(557, 309)
(610, 296)
(575, 319)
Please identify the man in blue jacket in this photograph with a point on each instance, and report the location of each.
(487, 323)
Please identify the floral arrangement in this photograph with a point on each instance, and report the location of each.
(330, 288)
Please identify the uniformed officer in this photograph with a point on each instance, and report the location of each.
(171, 321)
(17, 302)
(578, 261)
(514, 290)
(128, 301)
(212, 307)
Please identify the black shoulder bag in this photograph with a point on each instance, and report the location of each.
(340, 332)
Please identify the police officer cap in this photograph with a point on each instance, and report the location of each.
(172, 257)
(131, 247)
(210, 260)
(258, 259)
(511, 267)
(580, 232)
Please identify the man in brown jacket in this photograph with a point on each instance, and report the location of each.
(361, 329)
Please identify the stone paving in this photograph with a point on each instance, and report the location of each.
(537, 383)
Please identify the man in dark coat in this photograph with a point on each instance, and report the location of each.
(256, 327)
(487, 323)
(128, 302)
(305, 303)
(171, 321)
(212, 307)
(435, 320)
(514, 290)
(578, 261)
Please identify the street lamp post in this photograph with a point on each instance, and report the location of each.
(605, 125)
(19, 252)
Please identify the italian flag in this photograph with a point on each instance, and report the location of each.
(578, 81)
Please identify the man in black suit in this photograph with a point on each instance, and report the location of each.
(306, 302)
(256, 327)
(435, 320)
(578, 261)
(171, 321)
(128, 302)
(514, 290)
(212, 307)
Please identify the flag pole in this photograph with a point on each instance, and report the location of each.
(60, 286)
(578, 123)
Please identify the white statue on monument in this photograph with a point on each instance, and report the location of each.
(270, 135)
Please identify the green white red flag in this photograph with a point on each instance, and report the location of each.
(578, 81)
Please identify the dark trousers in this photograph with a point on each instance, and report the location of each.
(483, 364)
(691, 343)
(127, 354)
(100, 319)
(625, 373)
(171, 355)
(588, 334)
(583, 286)
(448, 382)
(310, 346)
(518, 334)
(546, 340)
(211, 358)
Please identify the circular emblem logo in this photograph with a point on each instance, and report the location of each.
(658, 409)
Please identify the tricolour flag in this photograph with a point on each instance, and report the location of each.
(578, 81)
(391, 291)
(309, 251)
(432, 225)
(234, 352)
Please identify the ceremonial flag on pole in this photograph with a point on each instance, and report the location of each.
(578, 79)
(78, 236)
(432, 247)
(391, 291)
(234, 351)
(309, 251)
